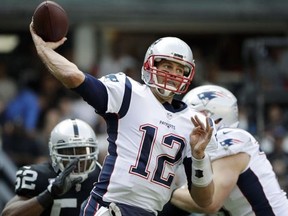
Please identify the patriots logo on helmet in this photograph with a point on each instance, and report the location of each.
(205, 97)
(228, 142)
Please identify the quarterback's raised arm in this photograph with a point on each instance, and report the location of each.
(65, 71)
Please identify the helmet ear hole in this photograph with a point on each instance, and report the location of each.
(146, 66)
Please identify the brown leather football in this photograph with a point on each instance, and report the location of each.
(50, 21)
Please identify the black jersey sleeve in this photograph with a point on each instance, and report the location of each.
(34, 179)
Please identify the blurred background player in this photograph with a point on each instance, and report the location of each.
(245, 183)
(58, 187)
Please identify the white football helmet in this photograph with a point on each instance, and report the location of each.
(216, 102)
(172, 49)
(74, 138)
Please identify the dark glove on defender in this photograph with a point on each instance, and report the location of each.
(62, 182)
(60, 186)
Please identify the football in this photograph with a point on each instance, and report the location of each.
(50, 21)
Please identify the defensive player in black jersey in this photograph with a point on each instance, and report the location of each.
(58, 187)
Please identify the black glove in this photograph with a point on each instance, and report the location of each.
(62, 182)
(60, 185)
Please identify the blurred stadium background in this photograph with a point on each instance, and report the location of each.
(239, 44)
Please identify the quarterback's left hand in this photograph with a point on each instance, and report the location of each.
(200, 137)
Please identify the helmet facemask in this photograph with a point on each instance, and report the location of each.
(86, 153)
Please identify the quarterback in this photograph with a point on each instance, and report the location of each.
(150, 133)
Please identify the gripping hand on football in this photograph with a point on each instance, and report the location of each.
(63, 182)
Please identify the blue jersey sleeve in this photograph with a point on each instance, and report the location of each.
(94, 93)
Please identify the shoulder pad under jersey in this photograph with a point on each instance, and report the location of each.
(233, 141)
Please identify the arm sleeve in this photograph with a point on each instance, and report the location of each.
(105, 94)
(94, 93)
(31, 180)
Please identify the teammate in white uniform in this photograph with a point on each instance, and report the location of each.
(245, 183)
(149, 132)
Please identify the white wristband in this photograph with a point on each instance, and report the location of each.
(202, 174)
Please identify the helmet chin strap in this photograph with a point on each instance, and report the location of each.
(164, 94)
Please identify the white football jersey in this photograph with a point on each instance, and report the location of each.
(147, 144)
(257, 191)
